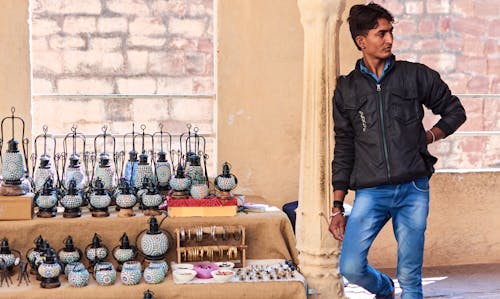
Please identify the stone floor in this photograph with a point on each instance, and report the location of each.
(451, 282)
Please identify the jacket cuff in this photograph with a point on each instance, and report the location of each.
(444, 127)
(340, 186)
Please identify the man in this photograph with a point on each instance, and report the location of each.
(381, 152)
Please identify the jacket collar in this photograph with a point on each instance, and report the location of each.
(392, 59)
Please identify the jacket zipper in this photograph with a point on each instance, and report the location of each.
(382, 124)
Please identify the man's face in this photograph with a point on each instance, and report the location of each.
(377, 44)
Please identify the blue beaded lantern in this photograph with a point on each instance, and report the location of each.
(124, 252)
(46, 200)
(34, 253)
(96, 251)
(74, 170)
(154, 242)
(104, 169)
(226, 181)
(72, 200)
(13, 161)
(45, 167)
(163, 168)
(144, 168)
(49, 270)
(99, 200)
(69, 253)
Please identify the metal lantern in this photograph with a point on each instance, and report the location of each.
(154, 242)
(34, 254)
(45, 168)
(72, 200)
(69, 253)
(144, 169)
(150, 198)
(125, 199)
(124, 252)
(226, 181)
(49, 270)
(194, 170)
(74, 170)
(180, 183)
(96, 251)
(8, 255)
(46, 200)
(193, 149)
(131, 166)
(99, 200)
(104, 170)
(163, 169)
(13, 161)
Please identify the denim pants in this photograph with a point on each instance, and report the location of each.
(408, 205)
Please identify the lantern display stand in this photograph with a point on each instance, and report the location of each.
(211, 243)
(16, 207)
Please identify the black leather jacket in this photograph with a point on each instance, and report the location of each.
(379, 135)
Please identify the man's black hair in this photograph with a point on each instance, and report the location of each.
(362, 18)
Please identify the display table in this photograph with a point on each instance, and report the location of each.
(166, 289)
(269, 235)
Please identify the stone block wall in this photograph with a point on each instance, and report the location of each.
(461, 40)
(118, 62)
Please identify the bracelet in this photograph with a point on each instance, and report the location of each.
(433, 136)
(337, 213)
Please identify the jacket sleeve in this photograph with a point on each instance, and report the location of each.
(343, 154)
(439, 99)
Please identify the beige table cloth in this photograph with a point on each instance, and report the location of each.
(269, 235)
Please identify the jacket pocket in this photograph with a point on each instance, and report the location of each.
(360, 113)
(405, 107)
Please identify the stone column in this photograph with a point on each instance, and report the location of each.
(318, 251)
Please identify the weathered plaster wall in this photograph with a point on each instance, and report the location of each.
(259, 93)
(462, 226)
(14, 61)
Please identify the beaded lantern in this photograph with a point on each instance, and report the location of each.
(226, 181)
(144, 168)
(45, 168)
(74, 169)
(163, 168)
(154, 242)
(14, 161)
(104, 170)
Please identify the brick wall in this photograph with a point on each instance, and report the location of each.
(132, 56)
(461, 40)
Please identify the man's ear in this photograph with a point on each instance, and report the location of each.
(360, 41)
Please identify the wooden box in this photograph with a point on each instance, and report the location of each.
(202, 211)
(205, 207)
(16, 207)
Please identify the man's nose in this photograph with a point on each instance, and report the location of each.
(389, 38)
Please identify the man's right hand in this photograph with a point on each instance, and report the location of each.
(337, 226)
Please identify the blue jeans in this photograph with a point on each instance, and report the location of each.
(408, 205)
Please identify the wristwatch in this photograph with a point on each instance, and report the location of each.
(339, 205)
